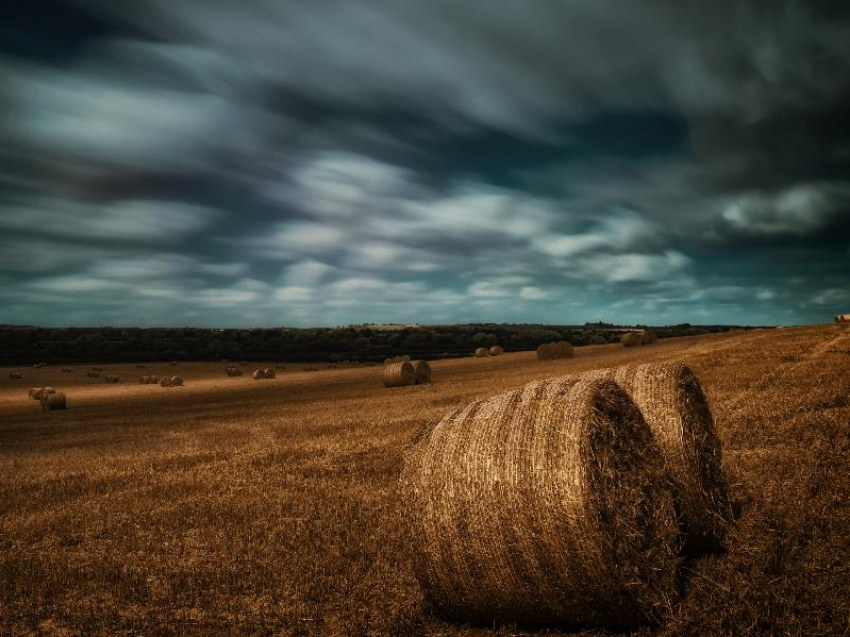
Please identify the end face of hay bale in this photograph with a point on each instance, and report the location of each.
(399, 374)
(269, 373)
(51, 402)
(544, 506)
(562, 349)
(496, 350)
(546, 352)
(423, 372)
(648, 337)
(258, 374)
(165, 382)
(176, 381)
(482, 352)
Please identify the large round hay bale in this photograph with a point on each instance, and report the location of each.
(269, 372)
(176, 381)
(482, 352)
(258, 374)
(165, 381)
(496, 350)
(648, 337)
(548, 505)
(546, 352)
(562, 349)
(51, 402)
(398, 374)
(423, 372)
(37, 393)
(677, 411)
(631, 339)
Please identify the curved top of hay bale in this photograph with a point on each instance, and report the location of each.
(548, 505)
(399, 374)
(676, 409)
(51, 402)
(481, 352)
(423, 372)
(546, 352)
(496, 350)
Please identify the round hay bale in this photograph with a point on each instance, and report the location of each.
(51, 402)
(496, 350)
(15, 376)
(279, 366)
(176, 381)
(67, 370)
(482, 352)
(38, 365)
(144, 380)
(399, 374)
(165, 382)
(562, 349)
(97, 369)
(648, 337)
(388, 360)
(423, 372)
(93, 374)
(677, 411)
(37, 393)
(258, 374)
(270, 373)
(173, 363)
(546, 352)
(112, 378)
(631, 339)
(548, 505)
(140, 366)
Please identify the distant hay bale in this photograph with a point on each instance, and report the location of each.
(280, 366)
(144, 380)
(165, 381)
(258, 374)
(67, 370)
(173, 363)
(112, 378)
(648, 337)
(399, 374)
(423, 372)
(496, 350)
(52, 402)
(37, 393)
(15, 376)
(269, 372)
(176, 381)
(562, 349)
(631, 339)
(482, 352)
(545, 352)
(397, 359)
(233, 371)
(548, 505)
(38, 365)
(97, 369)
(93, 374)
(676, 410)
(140, 366)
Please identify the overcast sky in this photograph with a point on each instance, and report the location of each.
(273, 162)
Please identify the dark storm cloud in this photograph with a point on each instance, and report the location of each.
(281, 162)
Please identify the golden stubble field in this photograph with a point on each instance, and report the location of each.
(232, 506)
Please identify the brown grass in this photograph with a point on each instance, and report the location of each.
(548, 505)
(230, 507)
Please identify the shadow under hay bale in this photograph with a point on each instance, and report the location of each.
(545, 506)
(52, 402)
(399, 374)
(423, 372)
(677, 411)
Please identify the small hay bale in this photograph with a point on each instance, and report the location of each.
(270, 373)
(144, 380)
(496, 350)
(52, 402)
(562, 349)
(399, 374)
(258, 374)
(482, 352)
(648, 337)
(631, 339)
(173, 363)
(15, 376)
(97, 369)
(546, 352)
(677, 411)
(165, 382)
(279, 366)
(140, 366)
(93, 374)
(233, 371)
(423, 372)
(112, 378)
(176, 381)
(38, 365)
(37, 393)
(545, 506)
(67, 370)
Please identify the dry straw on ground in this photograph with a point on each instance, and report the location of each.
(482, 352)
(399, 374)
(676, 410)
(496, 350)
(52, 402)
(423, 372)
(548, 505)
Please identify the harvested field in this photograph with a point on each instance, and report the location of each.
(232, 507)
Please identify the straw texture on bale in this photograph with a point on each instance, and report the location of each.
(93, 374)
(562, 349)
(676, 410)
(233, 371)
(548, 505)
(16, 376)
(496, 350)
(67, 370)
(546, 352)
(399, 374)
(423, 372)
(633, 339)
(270, 373)
(112, 378)
(176, 381)
(258, 374)
(165, 381)
(51, 402)
(648, 337)
(481, 352)
(37, 393)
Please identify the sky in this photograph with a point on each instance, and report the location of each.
(274, 162)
